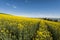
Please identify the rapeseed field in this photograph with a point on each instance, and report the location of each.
(25, 28)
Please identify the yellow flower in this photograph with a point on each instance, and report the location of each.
(2, 30)
(39, 33)
(10, 34)
(7, 31)
(20, 26)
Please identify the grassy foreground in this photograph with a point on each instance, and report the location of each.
(24, 28)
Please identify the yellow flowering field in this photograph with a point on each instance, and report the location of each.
(25, 28)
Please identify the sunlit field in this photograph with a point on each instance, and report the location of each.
(25, 28)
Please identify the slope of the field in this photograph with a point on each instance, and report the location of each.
(24, 28)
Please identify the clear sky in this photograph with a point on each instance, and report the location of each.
(31, 8)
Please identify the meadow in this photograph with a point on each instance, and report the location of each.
(25, 28)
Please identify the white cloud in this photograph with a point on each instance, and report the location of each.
(26, 1)
(14, 6)
(10, 5)
(7, 4)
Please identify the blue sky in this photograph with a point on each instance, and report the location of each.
(31, 8)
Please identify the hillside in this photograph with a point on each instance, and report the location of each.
(24, 28)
